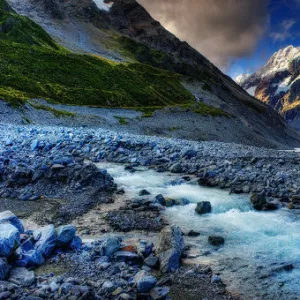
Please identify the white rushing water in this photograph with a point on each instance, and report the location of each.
(257, 244)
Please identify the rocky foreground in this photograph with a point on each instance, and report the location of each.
(48, 174)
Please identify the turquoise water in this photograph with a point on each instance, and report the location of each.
(257, 244)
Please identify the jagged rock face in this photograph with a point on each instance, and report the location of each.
(278, 83)
(95, 26)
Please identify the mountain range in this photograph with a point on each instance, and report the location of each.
(114, 54)
(277, 84)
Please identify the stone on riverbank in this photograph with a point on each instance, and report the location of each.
(144, 282)
(8, 217)
(45, 238)
(65, 235)
(22, 276)
(9, 239)
(170, 248)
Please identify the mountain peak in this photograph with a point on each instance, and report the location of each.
(280, 60)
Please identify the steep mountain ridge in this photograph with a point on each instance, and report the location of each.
(124, 31)
(278, 83)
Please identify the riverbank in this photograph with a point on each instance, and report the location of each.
(49, 173)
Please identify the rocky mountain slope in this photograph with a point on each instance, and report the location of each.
(138, 64)
(278, 83)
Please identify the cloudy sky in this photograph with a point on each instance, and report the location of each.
(237, 35)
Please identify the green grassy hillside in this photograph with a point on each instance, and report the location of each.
(32, 65)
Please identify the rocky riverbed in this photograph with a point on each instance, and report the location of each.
(53, 175)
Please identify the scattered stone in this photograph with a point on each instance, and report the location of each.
(216, 240)
(151, 261)
(22, 276)
(112, 246)
(176, 168)
(258, 201)
(65, 235)
(203, 207)
(161, 200)
(144, 282)
(144, 193)
(193, 233)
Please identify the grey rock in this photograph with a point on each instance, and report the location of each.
(203, 207)
(258, 201)
(22, 276)
(144, 282)
(151, 261)
(65, 235)
(144, 193)
(176, 168)
(112, 246)
(216, 240)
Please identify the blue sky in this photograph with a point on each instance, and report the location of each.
(283, 29)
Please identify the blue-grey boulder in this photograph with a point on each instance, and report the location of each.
(9, 239)
(45, 238)
(112, 246)
(8, 217)
(65, 235)
(170, 248)
(144, 282)
(31, 258)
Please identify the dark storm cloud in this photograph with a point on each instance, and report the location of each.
(221, 30)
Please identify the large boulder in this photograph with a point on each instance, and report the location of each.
(4, 269)
(45, 238)
(203, 207)
(8, 217)
(65, 235)
(21, 276)
(31, 258)
(144, 282)
(9, 239)
(170, 248)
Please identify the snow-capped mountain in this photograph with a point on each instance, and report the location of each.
(278, 83)
(242, 78)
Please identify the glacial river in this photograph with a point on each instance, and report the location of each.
(258, 245)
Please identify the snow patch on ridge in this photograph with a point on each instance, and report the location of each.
(242, 78)
(251, 91)
(102, 5)
(284, 86)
